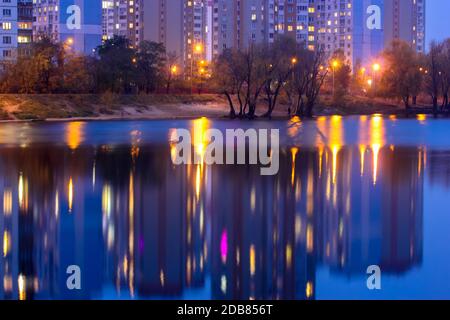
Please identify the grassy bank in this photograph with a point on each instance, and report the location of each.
(112, 106)
(65, 106)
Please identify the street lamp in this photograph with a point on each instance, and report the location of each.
(376, 67)
(198, 49)
(334, 65)
(294, 60)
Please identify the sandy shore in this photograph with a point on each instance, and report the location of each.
(18, 108)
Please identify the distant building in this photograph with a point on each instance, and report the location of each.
(8, 30)
(78, 23)
(24, 26)
(122, 18)
(360, 28)
(163, 22)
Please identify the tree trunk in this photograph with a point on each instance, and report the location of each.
(230, 102)
(309, 108)
(300, 107)
(435, 104)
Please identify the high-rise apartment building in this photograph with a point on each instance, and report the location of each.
(77, 23)
(360, 28)
(363, 28)
(24, 26)
(8, 30)
(122, 18)
(182, 26)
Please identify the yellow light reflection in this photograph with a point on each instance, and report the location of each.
(309, 289)
(131, 233)
(22, 284)
(336, 141)
(422, 118)
(75, 134)
(252, 260)
(70, 194)
(199, 128)
(56, 204)
(294, 152)
(309, 238)
(106, 200)
(288, 256)
(377, 141)
(362, 151)
(7, 202)
(294, 127)
(6, 243)
(23, 192)
(335, 150)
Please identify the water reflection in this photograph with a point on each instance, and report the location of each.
(140, 227)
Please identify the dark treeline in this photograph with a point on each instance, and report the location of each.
(265, 73)
(255, 80)
(115, 67)
(409, 74)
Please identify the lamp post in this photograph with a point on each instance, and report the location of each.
(376, 67)
(198, 48)
(294, 62)
(334, 65)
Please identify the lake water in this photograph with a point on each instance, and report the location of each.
(105, 196)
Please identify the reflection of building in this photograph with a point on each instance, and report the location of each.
(139, 226)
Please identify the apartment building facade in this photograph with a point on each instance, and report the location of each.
(24, 27)
(123, 18)
(360, 28)
(8, 31)
(77, 23)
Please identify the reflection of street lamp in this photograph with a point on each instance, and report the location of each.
(370, 82)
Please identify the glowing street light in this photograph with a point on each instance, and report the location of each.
(69, 41)
(376, 67)
(334, 65)
(174, 69)
(370, 82)
(294, 60)
(198, 48)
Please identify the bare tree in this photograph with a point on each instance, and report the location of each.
(316, 77)
(402, 77)
(433, 78)
(171, 70)
(281, 56)
(445, 73)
